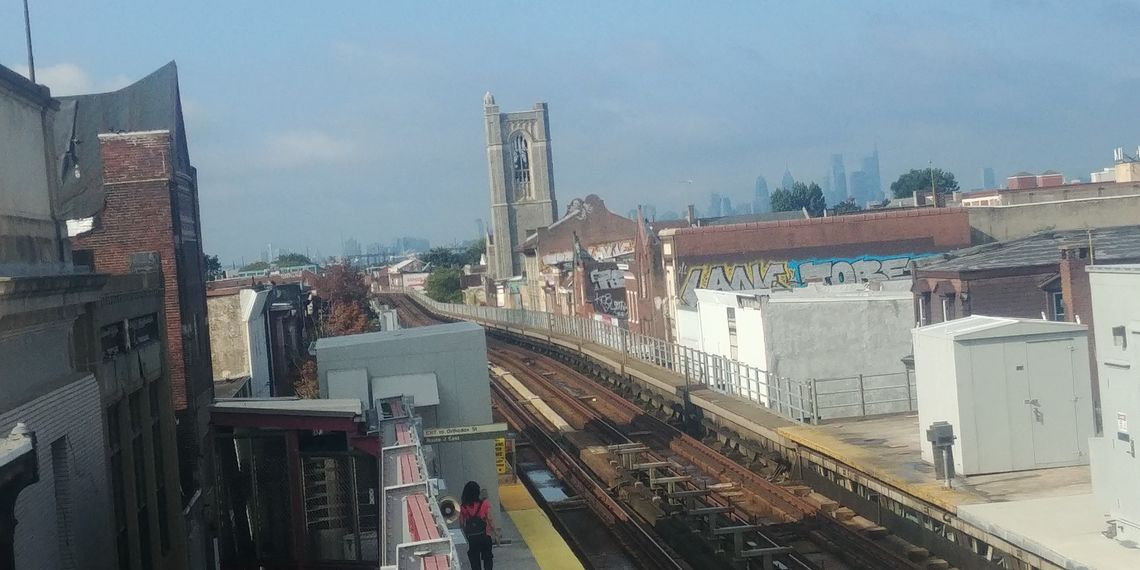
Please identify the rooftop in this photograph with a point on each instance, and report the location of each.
(1043, 249)
(291, 406)
(977, 327)
(382, 336)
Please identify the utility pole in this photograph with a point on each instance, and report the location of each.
(28, 33)
(933, 186)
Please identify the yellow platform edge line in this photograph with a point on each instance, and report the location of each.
(550, 551)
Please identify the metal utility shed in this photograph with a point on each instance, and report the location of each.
(1016, 391)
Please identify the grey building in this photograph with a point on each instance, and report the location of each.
(761, 198)
(57, 516)
(788, 180)
(838, 180)
(521, 172)
(443, 368)
(1115, 468)
(988, 179)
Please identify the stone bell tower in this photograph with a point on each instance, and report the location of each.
(522, 182)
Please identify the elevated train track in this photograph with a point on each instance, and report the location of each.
(773, 525)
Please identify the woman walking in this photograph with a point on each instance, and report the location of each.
(475, 520)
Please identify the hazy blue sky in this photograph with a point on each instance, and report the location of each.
(312, 120)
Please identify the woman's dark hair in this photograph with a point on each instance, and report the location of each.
(470, 493)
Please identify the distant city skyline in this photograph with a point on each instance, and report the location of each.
(334, 137)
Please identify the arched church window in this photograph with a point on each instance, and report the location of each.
(520, 161)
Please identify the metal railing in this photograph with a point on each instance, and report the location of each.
(799, 400)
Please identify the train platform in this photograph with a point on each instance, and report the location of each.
(535, 544)
(887, 448)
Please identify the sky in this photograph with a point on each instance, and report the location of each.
(312, 122)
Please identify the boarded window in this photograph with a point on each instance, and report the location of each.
(143, 329)
(113, 340)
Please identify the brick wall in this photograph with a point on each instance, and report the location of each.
(1077, 294)
(876, 233)
(138, 217)
(73, 411)
(1016, 296)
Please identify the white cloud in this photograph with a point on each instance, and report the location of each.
(70, 79)
(305, 148)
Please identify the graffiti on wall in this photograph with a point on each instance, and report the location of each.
(783, 275)
(605, 289)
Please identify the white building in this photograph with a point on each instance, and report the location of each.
(830, 333)
(1015, 391)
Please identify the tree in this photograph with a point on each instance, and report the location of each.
(847, 206)
(345, 318)
(445, 285)
(343, 284)
(475, 251)
(919, 181)
(307, 384)
(292, 260)
(442, 257)
(256, 266)
(213, 268)
(798, 197)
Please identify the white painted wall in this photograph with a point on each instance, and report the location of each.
(257, 341)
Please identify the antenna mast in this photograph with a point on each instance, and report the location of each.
(28, 33)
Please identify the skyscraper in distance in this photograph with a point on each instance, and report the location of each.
(761, 199)
(838, 180)
(716, 206)
(874, 184)
(788, 180)
(988, 180)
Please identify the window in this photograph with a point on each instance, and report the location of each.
(159, 466)
(1058, 300)
(113, 340)
(924, 309)
(1119, 339)
(948, 309)
(138, 455)
(143, 329)
(520, 159)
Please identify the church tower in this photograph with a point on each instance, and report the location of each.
(522, 182)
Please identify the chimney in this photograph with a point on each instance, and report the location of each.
(1076, 294)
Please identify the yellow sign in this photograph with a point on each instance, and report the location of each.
(501, 455)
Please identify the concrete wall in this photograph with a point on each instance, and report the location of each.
(71, 416)
(830, 333)
(28, 237)
(257, 341)
(457, 354)
(999, 223)
(227, 337)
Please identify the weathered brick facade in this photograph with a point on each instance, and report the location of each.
(150, 217)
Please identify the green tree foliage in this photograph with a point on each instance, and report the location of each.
(445, 285)
(213, 267)
(442, 257)
(293, 260)
(800, 196)
(919, 181)
(256, 266)
(475, 251)
(847, 206)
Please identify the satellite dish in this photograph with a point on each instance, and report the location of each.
(449, 508)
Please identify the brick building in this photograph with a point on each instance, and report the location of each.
(131, 202)
(1040, 276)
(549, 255)
(791, 253)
